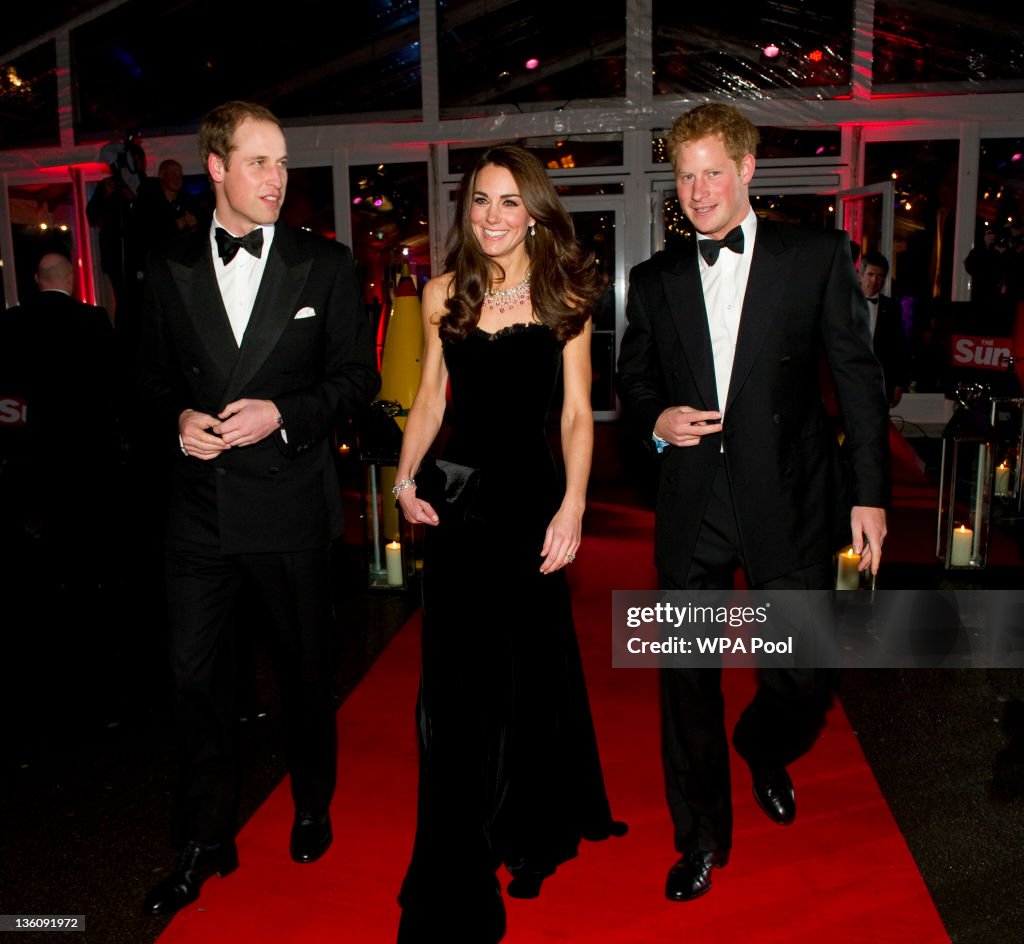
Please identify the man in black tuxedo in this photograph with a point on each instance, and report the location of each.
(255, 338)
(719, 370)
(60, 355)
(887, 336)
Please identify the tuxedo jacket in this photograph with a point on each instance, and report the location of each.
(890, 344)
(306, 347)
(791, 488)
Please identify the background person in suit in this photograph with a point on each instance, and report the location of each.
(886, 315)
(61, 357)
(255, 337)
(718, 368)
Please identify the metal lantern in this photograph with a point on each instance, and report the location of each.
(965, 488)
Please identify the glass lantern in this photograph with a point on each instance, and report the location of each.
(965, 488)
(1007, 420)
(390, 561)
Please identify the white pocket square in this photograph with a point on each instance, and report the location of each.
(306, 312)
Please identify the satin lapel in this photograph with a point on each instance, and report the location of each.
(201, 298)
(275, 305)
(686, 302)
(770, 272)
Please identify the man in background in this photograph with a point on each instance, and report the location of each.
(886, 315)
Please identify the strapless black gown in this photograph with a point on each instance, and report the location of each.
(509, 767)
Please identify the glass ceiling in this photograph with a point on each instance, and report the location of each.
(158, 65)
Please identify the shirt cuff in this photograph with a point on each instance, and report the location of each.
(660, 445)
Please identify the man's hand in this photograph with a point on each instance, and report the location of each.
(868, 527)
(245, 422)
(196, 438)
(684, 426)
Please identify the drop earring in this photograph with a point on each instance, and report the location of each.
(533, 229)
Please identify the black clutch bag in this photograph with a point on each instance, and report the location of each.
(449, 487)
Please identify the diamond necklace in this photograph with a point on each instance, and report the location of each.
(504, 299)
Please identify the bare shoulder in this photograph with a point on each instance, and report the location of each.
(439, 288)
(435, 293)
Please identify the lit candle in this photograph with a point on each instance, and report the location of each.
(393, 559)
(963, 544)
(344, 449)
(1002, 479)
(848, 576)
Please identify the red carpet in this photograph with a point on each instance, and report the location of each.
(841, 874)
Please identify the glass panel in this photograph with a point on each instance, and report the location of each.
(28, 99)
(589, 150)
(138, 60)
(863, 223)
(996, 264)
(775, 143)
(761, 44)
(42, 220)
(389, 229)
(527, 51)
(921, 273)
(947, 42)
(595, 230)
(309, 203)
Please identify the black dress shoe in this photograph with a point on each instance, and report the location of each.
(311, 836)
(690, 877)
(195, 865)
(774, 793)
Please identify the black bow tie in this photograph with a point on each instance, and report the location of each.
(710, 248)
(874, 301)
(228, 245)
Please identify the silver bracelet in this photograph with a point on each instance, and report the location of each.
(402, 486)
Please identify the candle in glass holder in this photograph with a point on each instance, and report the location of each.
(393, 560)
(963, 543)
(847, 575)
(1002, 483)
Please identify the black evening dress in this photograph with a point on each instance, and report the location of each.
(509, 767)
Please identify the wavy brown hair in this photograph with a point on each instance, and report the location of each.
(564, 282)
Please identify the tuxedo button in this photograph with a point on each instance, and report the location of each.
(222, 472)
(777, 419)
(196, 370)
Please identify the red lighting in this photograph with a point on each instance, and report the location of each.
(771, 51)
(815, 55)
(532, 63)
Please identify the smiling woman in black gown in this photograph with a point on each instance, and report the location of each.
(509, 768)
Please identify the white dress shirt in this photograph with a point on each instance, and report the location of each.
(725, 286)
(239, 280)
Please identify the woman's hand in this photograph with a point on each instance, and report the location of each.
(416, 510)
(561, 540)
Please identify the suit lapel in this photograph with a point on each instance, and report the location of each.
(200, 295)
(689, 315)
(283, 279)
(770, 272)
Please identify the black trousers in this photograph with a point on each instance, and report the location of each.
(778, 726)
(203, 588)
